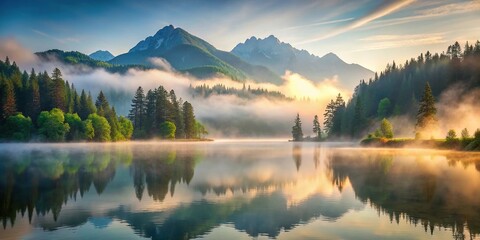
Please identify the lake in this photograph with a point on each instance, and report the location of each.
(236, 190)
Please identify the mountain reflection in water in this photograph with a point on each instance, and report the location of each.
(272, 189)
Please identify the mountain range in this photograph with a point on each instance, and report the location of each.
(262, 60)
(188, 53)
(279, 57)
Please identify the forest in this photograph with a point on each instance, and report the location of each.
(42, 107)
(245, 92)
(401, 90)
(159, 114)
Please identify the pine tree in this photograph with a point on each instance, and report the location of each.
(328, 117)
(137, 113)
(316, 128)
(297, 132)
(426, 116)
(177, 116)
(189, 120)
(161, 109)
(83, 110)
(34, 106)
(58, 91)
(359, 119)
(90, 104)
(336, 125)
(44, 83)
(102, 105)
(150, 108)
(9, 106)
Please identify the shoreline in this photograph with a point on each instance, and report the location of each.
(129, 141)
(467, 145)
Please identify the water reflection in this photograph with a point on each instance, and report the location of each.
(181, 191)
(427, 189)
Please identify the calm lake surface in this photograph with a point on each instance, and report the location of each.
(236, 190)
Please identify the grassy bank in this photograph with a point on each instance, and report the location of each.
(469, 144)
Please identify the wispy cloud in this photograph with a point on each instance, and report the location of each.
(381, 11)
(318, 24)
(438, 11)
(59, 40)
(378, 42)
(453, 8)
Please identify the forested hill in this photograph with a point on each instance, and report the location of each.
(76, 58)
(397, 90)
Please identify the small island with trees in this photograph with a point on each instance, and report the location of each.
(396, 91)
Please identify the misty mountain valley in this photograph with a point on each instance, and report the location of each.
(239, 119)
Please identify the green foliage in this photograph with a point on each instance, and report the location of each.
(88, 130)
(404, 84)
(451, 136)
(9, 105)
(137, 113)
(383, 108)
(200, 130)
(189, 120)
(359, 120)
(125, 127)
(206, 91)
(75, 58)
(52, 125)
(76, 132)
(167, 130)
(476, 135)
(297, 133)
(426, 116)
(57, 91)
(18, 128)
(101, 128)
(333, 117)
(386, 129)
(465, 134)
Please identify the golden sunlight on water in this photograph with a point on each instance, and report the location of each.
(239, 189)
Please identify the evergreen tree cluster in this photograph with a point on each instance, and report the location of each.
(400, 90)
(245, 92)
(48, 108)
(159, 113)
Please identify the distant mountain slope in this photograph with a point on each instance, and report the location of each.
(75, 58)
(101, 55)
(279, 57)
(188, 53)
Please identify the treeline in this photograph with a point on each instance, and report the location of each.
(206, 91)
(397, 90)
(160, 114)
(41, 107)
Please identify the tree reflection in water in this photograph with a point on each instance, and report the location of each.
(419, 188)
(434, 190)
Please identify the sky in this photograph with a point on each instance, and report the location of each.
(371, 33)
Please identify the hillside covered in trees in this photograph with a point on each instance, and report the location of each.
(245, 92)
(78, 58)
(398, 89)
(43, 107)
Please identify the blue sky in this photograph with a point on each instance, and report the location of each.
(368, 32)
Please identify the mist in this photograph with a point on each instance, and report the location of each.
(223, 115)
